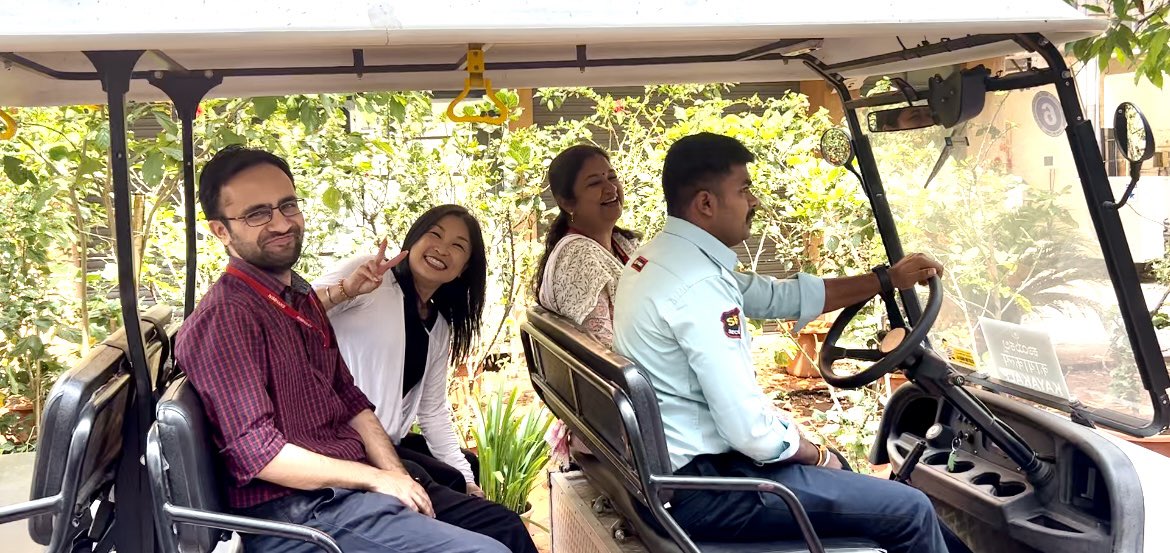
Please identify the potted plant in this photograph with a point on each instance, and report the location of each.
(512, 450)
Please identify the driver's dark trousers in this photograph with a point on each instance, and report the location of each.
(839, 503)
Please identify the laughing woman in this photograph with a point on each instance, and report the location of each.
(398, 334)
(584, 251)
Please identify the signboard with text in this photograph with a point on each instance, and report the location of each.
(1023, 357)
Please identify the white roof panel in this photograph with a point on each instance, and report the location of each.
(234, 34)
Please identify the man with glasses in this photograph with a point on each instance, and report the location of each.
(299, 440)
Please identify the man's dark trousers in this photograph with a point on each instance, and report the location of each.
(839, 503)
(377, 523)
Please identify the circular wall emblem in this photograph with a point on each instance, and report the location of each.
(1046, 111)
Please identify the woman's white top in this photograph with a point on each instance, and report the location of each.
(371, 334)
(580, 281)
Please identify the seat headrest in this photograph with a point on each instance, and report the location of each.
(582, 346)
(588, 354)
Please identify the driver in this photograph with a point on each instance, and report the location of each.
(679, 314)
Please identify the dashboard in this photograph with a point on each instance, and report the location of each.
(1094, 503)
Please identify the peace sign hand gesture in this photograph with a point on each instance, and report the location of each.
(368, 276)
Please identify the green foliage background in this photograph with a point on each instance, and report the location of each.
(368, 164)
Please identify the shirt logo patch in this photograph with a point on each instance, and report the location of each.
(731, 323)
(639, 263)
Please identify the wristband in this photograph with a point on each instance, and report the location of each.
(824, 457)
(343, 292)
(883, 275)
(329, 294)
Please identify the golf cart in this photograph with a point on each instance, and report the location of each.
(124, 434)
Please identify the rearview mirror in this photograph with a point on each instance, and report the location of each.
(836, 147)
(901, 119)
(1135, 140)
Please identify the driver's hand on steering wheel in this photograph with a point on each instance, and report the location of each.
(916, 267)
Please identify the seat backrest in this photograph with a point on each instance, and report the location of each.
(80, 441)
(603, 397)
(73, 391)
(193, 476)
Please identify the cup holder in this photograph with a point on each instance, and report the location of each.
(986, 479)
(940, 459)
(999, 488)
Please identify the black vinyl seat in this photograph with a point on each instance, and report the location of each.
(187, 482)
(80, 445)
(608, 402)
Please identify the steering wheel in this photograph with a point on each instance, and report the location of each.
(894, 349)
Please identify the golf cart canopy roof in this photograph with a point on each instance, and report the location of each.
(305, 46)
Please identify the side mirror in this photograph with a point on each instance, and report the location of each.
(1135, 140)
(901, 119)
(1134, 137)
(836, 147)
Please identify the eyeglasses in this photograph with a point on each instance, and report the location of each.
(263, 215)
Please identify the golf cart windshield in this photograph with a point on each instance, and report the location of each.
(1030, 306)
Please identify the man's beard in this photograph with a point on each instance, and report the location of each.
(273, 262)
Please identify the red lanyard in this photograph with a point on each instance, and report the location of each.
(618, 252)
(280, 304)
(621, 254)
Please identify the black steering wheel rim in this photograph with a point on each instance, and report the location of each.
(884, 363)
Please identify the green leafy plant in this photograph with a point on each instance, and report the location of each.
(512, 449)
(852, 430)
(1137, 35)
(367, 165)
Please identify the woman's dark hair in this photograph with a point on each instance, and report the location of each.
(562, 174)
(461, 300)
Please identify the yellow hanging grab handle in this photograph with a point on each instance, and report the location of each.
(9, 126)
(475, 79)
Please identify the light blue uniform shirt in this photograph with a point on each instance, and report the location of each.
(679, 314)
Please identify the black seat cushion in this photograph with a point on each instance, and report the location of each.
(193, 473)
(656, 541)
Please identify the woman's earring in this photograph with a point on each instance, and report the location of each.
(570, 216)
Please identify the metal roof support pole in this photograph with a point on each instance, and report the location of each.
(871, 181)
(132, 533)
(186, 91)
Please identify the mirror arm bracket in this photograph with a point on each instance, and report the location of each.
(1128, 191)
(908, 91)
